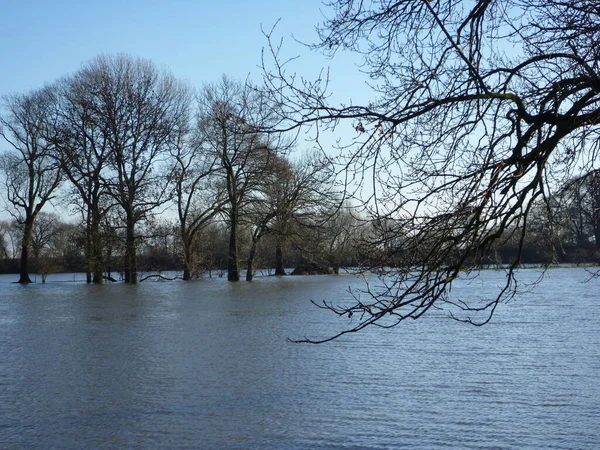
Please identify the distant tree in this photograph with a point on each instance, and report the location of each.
(136, 113)
(229, 119)
(333, 238)
(210, 248)
(579, 208)
(341, 237)
(51, 240)
(31, 175)
(4, 239)
(46, 228)
(83, 147)
(291, 195)
(264, 205)
(158, 247)
(478, 109)
(13, 236)
(199, 196)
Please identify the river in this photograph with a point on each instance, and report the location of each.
(206, 365)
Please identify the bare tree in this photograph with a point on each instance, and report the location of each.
(4, 239)
(294, 195)
(339, 238)
(31, 174)
(198, 195)
(136, 112)
(230, 117)
(13, 235)
(83, 149)
(48, 241)
(579, 206)
(478, 109)
(46, 228)
(264, 205)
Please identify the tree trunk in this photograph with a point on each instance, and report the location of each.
(233, 272)
(88, 247)
(97, 254)
(250, 268)
(597, 220)
(187, 257)
(131, 275)
(25, 244)
(93, 249)
(597, 229)
(279, 269)
(107, 256)
(98, 267)
(595, 191)
(249, 274)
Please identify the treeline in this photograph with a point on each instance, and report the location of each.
(562, 227)
(159, 176)
(59, 246)
(156, 173)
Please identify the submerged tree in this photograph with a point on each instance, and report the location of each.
(138, 113)
(287, 192)
(230, 120)
(31, 174)
(301, 194)
(198, 195)
(83, 149)
(478, 108)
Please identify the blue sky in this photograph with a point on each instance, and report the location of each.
(42, 40)
(197, 40)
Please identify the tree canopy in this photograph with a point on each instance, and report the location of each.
(479, 110)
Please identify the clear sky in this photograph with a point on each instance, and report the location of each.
(197, 40)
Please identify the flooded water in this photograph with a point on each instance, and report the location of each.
(207, 365)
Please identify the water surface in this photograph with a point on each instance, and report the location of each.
(207, 365)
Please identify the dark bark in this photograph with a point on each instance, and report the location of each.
(88, 255)
(250, 267)
(96, 245)
(131, 275)
(93, 249)
(596, 211)
(233, 272)
(25, 245)
(597, 226)
(279, 269)
(187, 257)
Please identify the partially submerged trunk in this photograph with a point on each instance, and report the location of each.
(279, 269)
(250, 267)
(131, 275)
(25, 245)
(97, 256)
(233, 271)
(94, 256)
(88, 248)
(188, 260)
(187, 256)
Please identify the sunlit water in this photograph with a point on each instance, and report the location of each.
(207, 365)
